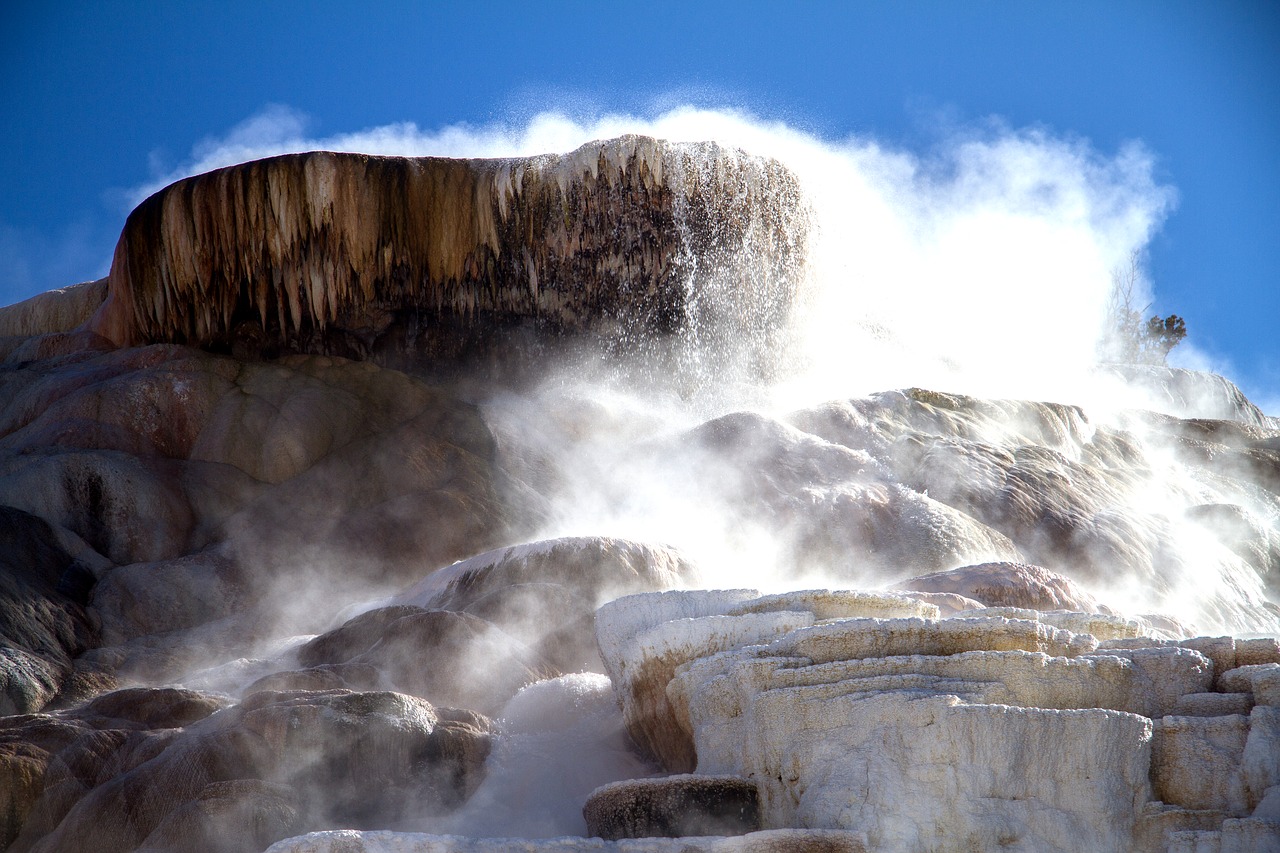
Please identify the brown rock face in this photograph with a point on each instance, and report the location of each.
(325, 252)
(119, 775)
(147, 457)
(154, 598)
(452, 659)
(49, 762)
(544, 594)
(56, 311)
(42, 619)
(672, 807)
(226, 817)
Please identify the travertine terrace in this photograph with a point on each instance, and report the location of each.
(331, 252)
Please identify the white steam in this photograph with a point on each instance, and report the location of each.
(983, 265)
(559, 740)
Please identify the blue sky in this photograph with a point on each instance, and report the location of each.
(102, 98)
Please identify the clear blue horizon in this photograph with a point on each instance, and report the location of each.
(101, 99)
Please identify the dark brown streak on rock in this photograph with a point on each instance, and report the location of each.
(326, 252)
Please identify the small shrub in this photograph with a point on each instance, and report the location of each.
(1128, 339)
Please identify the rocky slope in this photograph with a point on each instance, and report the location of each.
(289, 558)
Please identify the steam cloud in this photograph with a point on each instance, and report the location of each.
(981, 266)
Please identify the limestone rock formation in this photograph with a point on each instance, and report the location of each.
(49, 761)
(645, 638)
(673, 806)
(176, 465)
(1008, 585)
(53, 312)
(156, 598)
(596, 568)
(834, 504)
(545, 594)
(1195, 394)
(324, 252)
(1048, 739)
(435, 654)
(277, 764)
(43, 624)
(343, 507)
(227, 817)
(1068, 492)
(150, 452)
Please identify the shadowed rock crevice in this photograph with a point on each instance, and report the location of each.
(43, 624)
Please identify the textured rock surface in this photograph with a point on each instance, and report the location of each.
(771, 841)
(841, 722)
(325, 251)
(835, 506)
(55, 311)
(1194, 394)
(50, 761)
(287, 762)
(673, 806)
(145, 453)
(228, 817)
(645, 637)
(545, 594)
(1008, 585)
(599, 569)
(155, 598)
(453, 659)
(1069, 492)
(1196, 763)
(141, 457)
(43, 625)
(267, 520)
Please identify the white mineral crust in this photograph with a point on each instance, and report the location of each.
(998, 729)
